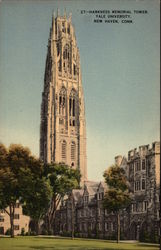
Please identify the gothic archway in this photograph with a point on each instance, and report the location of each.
(143, 231)
(133, 231)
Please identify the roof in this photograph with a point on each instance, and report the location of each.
(77, 194)
(91, 187)
(103, 185)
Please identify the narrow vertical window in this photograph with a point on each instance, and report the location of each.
(62, 102)
(73, 151)
(63, 150)
(143, 164)
(143, 184)
(74, 69)
(67, 58)
(73, 107)
(70, 106)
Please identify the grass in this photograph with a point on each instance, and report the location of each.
(48, 243)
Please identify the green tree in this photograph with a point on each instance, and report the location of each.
(117, 196)
(62, 180)
(21, 178)
(10, 179)
(36, 200)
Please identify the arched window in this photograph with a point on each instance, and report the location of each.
(63, 27)
(58, 49)
(63, 150)
(74, 69)
(73, 151)
(72, 107)
(68, 29)
(62, 102)
(67, 58)
(143, 184)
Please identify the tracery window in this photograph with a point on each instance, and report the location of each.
(137, 185)
(63, 27)
(72, 108)
(137, 165)
(62, 102)
(67, 58)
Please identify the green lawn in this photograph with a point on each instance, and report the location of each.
(48, 243)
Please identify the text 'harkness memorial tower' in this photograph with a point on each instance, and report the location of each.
(63, 125)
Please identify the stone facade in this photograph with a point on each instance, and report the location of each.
(143, 172)
(63, 125)
(20, 221)
(140, 220)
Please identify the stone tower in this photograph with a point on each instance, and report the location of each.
(63, 125)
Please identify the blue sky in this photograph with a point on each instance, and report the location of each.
(120, 75)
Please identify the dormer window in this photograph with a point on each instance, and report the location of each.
(100, 196)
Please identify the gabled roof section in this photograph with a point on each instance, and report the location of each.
(102, 186)
(90, 188)
(123, 162)
(77, 194)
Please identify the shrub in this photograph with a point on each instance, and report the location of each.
(44, 232)
(8, 232)
(33, 233)
(66, 234)
(89, 233)
(50, 232)
(22, 231)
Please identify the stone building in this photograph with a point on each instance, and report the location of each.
(143, 172)
(63, 125)
(84, 212)
(21, 222)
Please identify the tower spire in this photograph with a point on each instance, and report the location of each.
(65, 14)
(70, 17)
(53, 18)
(53, 26)
(58, 12)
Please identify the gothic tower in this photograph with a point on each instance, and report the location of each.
(63, 125)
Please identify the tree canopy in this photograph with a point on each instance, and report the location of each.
(117, 196)
(62, 180)
(38, 187)
(21, 179)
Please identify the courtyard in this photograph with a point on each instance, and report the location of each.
(49, 243)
